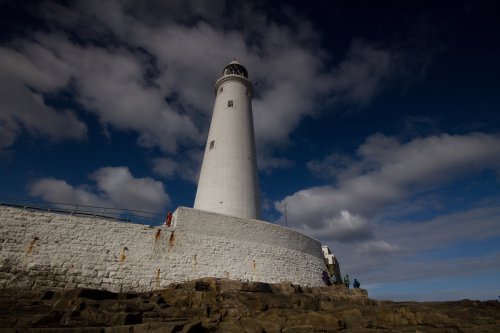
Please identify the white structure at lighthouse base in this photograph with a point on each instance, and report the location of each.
(51, 249)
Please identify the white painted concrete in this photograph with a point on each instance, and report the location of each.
(228, 181)
(41, 249)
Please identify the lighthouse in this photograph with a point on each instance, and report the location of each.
(228, 181)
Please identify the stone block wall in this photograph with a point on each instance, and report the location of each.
(48, 250)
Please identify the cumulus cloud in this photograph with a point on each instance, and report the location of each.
(414, 251)
(473, 224)
(363, 73)
(347, 226)
(187, 166)
(384, 185)
(344, 226)
(114, 187)
(112, 83)
(155, 74)
(377, 247)
(59, 191)
(386, 171)
(25, 75)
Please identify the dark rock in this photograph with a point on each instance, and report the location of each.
(133, 319)
(220, 305)
(194, 327)
(97, 295)
(202, 285)
(48, 295)
(299, 329)
(256, 287)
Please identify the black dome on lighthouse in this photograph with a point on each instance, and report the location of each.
(235, 68)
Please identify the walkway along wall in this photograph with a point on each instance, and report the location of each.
(42, 249)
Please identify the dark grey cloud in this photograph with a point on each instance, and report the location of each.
(413, 251)
(363, 73)
(187, 166)
(362, 216)
(386, 171)
(26, 73)
(124, 58)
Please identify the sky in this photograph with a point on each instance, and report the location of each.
(377, 122)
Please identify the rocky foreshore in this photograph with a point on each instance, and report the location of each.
(218, 305)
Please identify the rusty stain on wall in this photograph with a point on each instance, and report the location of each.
(122, 256)
(171, 240)
(31, 245)
(157, 234)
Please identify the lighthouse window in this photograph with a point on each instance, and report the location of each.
(230, 104)
(212, 145)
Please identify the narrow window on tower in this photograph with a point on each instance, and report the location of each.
(230, 104)
(212, 145)
(221, 90)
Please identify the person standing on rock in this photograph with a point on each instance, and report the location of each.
(347, 282)
(356, 283)
(326, 277)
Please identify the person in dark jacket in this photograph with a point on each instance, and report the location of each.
(326, 278)
(356, 283)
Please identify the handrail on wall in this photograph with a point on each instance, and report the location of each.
(117, 214)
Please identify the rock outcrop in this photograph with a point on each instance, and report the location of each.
(217, 305)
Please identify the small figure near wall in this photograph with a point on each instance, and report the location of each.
(326, 277)
(347, 282)
(168, 221)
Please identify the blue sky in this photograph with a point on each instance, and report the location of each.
(377, 122)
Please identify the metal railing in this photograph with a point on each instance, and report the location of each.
(117, 214)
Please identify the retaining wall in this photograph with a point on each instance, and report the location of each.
(48, 250)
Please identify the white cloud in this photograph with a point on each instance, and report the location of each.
(186, 166)
(115, 187)
(432, 249)
(471, 225)
(387, 171)
(345, 227)
(166, 167)
(377, 247)
(59, 191)
(169, 55)
(112, 84)
(388, 175)
(363, 73)
(26, 74)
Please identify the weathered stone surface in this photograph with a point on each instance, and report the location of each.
(219, 305)
(41, 250)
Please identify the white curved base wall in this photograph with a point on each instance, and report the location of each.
(40, 249)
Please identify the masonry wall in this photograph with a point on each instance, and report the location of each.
(41, 249)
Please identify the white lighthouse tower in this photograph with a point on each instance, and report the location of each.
(228, 181)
